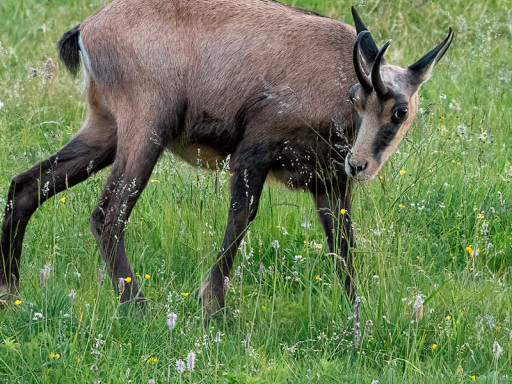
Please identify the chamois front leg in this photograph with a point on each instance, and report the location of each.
(333, 205)
(250, 167)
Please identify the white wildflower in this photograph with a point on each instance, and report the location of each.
(44, 274)
(418, 307)
(1, 105)
(72, 294)
(37, 316)
(217, 338)
(171, 320)
(191, 361)
(275, 244)
(462, 129)
(497, 349)
(180, 366)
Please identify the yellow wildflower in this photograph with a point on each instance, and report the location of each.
(448, 317)
(306, 243)
(264, 308)
(480, 216)
(317, 277)
(146, 276)
(128, 279)
(152, 360)
(54, 355)
(17, 302)
(343, 211)
(453, 161)
(401, 206)
(434, 346)
(184, 294)
(473, 377)
(62, 199)
(155, 181)
(402, 172)
(319, 246)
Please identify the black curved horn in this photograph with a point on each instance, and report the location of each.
(361, 75)
(377, 82)
(368, 48)
(421, 68)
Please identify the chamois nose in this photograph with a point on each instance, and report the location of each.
(355, 168)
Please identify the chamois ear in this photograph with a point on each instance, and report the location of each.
(368, 48)
(421, 70)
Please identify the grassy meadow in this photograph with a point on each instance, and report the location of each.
(446, 191)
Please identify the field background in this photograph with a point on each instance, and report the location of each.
(285, 321)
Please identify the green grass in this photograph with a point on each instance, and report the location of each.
(285, 321)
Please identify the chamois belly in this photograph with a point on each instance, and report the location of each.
(199, 155)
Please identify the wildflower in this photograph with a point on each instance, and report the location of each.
(453, 161)
(62, 199)
(418, 307)
(128, 279)
(44, 275)
(146, 276)
(319, 246)
(1, 105)
(434, 346)
(472, 252)
(180, 366)
(184, 294)
(448, 317)
(306, 223)
(152, 360)
(151, 381)
(306, 243)
(72, 294)
(120, 285)
(275, 244)
(401, 206)
(217, 338)
(462, 129)
(171, 320)
(264, 308)
(54, 355)
(191, 361)
(94, 367)
(480, 216)
(497, 349)
(402, 172)
(226, 283)
(37, 316)
(375, 381)
(155, 181)
(473, 377)
(343, 211)
(442, 117)
(17, 302)
(49, 64)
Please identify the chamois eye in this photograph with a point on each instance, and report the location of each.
(400, 115)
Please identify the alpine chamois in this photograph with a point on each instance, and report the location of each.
(278, 89)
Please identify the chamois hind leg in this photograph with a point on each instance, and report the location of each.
(140, 144)
(90, 150)
(250, 167)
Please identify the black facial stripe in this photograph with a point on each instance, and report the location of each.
(384, 137)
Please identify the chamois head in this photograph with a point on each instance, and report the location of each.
(384, 102)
